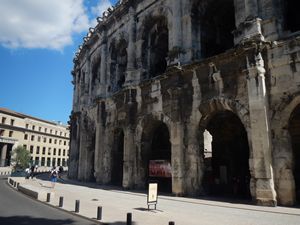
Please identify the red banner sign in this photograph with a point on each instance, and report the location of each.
(160, 168)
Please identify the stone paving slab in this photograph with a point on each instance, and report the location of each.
(185, 211)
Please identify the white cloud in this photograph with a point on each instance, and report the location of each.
(99, 9)
(41, 23)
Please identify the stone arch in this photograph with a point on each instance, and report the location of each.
(118, 62)
(144, 135)
(212, 26)
(155, 47)
(223, 169)
(283, 156)
(117, 156)
(95, 68)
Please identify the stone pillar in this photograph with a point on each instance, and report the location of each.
(104, 58)
(176, 23)
(262, 182)
(99, 147)
(131, 41)
(74, 149)
(3, 155)
(129, 153)
(177, 162)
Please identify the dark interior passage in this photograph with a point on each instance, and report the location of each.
(117, 158)
(227, 168)
(161, 158)
(292, 15)
(294, 129)
(213, 22)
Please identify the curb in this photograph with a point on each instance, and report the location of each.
(53, 206)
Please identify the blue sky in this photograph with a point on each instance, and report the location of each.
(38, 40)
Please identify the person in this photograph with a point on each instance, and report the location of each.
(32, 169)
(61, 170)
(53, 176)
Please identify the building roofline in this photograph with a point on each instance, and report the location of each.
(23, 116)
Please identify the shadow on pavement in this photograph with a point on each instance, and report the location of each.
(118, 223)
(26, 220)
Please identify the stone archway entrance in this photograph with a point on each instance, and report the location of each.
(117, 158)
(226, 157)
(156, 155)
(294, 130)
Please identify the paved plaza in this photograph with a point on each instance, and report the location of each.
(183, 211)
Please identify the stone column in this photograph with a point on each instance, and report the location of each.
(103, 70)
(129, 150)
(177, 162)
(99, 144)
(262, 181)
(176, 23)
(3, 155)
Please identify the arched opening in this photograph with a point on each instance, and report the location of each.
(160, 159)
(212, 24)
(118, 64)
(156, 156)
(294, 130)
(226, 157)
(117, 158)
(291, 14)
(96, 71)
(155, 46)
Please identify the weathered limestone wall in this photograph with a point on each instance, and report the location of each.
(144, 65)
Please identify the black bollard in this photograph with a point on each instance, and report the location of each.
(48, 197)
(77, 203)
(99, 213)
(171, 223)
(61, 201)
(129, 219)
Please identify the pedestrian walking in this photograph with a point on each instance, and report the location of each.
(32, 169)
(53, 176)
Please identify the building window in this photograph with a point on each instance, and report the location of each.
(39, 138)
(49, 151)
(50, 131)
(40, 129)
(55, 141)
(54, 151)
(33, 127)
(32, 137)
(25, 146)
(59, 142)
(3, 120)
(26, 126)
(59, 152)
(56, 132)
(31, 149)
(63, 162)
(45, 139)
(1, 132)
(45, 130)
(65, 143)
(12, 122)
(44, 151)
(25, 136)
(60, 133)
(37, 161)
(10, 133)
(43, 161)
(64, 152)
(50, 140)
(38, 150)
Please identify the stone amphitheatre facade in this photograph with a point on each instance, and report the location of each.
(212, 87)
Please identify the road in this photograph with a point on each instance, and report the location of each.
(18, 209)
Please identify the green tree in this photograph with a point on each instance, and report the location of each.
(21, 158)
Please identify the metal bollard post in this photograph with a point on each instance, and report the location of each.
(61, 201)
(99, 213)
(171, 223)
(129, 219)
(77, 203)
(48, 197)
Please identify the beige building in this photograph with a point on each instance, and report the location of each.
(48, 142)
(206, 89)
